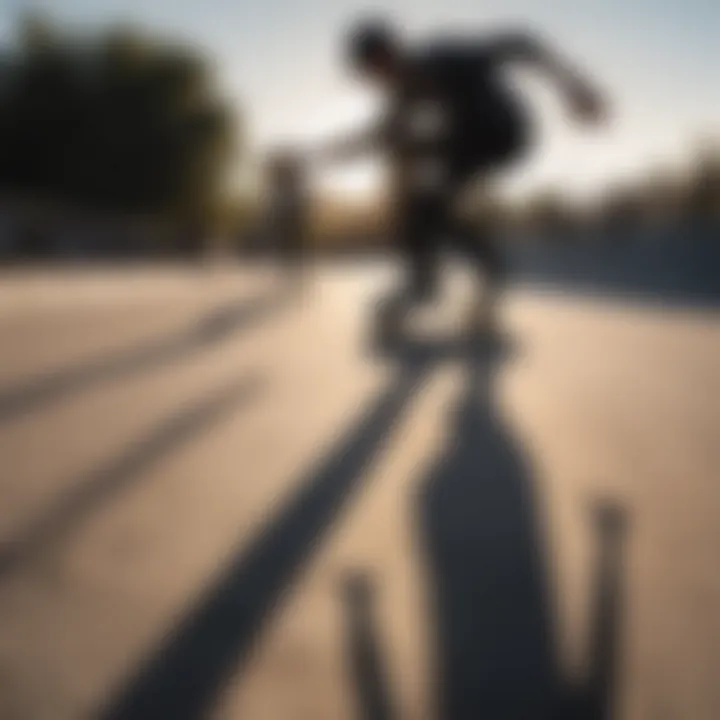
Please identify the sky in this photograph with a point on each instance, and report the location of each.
(280, 63)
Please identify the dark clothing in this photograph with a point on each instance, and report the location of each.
(481, 121)
(424, 222)
(453, 120)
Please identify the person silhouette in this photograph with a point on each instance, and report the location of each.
(451, 120)
(288, 206)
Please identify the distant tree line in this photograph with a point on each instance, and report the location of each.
(117, 122)
(656, 201)
(660, 199)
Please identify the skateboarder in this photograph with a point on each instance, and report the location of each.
(451, 120)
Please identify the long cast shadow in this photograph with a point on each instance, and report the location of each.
(218, 325)
(368, 673)
(595, 698)
(101, 484)
(183, 678)
(495, 646)
(496, 654)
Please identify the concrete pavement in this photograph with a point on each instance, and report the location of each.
(215, 504)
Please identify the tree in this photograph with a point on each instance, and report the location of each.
(118, 122)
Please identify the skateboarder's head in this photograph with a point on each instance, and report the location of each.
(375, 50)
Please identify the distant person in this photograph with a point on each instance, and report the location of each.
(451, 120)
(288, 212)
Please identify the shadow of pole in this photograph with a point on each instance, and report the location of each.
(611, 526)
(183, 678)
(100, 485)
(368, 674)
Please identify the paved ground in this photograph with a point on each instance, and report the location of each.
(214, 504)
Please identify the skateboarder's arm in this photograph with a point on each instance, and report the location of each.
(524, 47)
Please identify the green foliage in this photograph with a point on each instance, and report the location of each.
(119, 122)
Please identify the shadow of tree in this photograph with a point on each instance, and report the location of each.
(103, 483)
(216, 326)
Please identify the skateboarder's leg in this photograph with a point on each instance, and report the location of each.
(476, 243)
(420, 241)
(418, 233)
